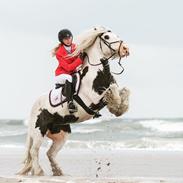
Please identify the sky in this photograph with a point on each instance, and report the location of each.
(151, 29)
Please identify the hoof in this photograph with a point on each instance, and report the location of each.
(58, 172)
(39, 173)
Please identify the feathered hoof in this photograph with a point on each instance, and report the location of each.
(41, 173)
(25, 170)
(38, 173)
(58, 173)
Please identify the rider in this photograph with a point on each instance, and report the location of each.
(66, 65)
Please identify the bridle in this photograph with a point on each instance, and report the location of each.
(113, 52)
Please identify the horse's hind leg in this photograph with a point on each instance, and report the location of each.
(27, 160)
(37, 141)
(58, 142)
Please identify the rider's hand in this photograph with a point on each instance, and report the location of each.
(82, 55)
(78, 68)
(104, 60)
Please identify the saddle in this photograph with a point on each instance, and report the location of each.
(57, 96)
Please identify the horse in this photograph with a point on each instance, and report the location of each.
(100, 46)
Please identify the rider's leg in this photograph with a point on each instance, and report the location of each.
(69, 95)
(61, 79)
(68, 92)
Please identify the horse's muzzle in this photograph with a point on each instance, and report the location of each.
(124, 51)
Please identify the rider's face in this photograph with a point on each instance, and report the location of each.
(67, 41)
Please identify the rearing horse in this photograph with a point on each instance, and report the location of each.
(100, 45)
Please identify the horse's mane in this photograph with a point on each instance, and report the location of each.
(87, 38)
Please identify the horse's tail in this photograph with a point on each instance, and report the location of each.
(29, 142)
(27, 159)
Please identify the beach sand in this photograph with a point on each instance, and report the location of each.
(119, 166)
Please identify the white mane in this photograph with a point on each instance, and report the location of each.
(87, 38)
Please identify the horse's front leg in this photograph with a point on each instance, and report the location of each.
(114, 107)
(58, 142)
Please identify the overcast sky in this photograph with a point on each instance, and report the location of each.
(153, 30)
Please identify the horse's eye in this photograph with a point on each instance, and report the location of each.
(106, 37)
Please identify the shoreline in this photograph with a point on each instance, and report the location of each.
(65, 179)
(115, 166)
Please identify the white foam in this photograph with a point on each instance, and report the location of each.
(25, 122)
(101, 119)
(93, 121)
(12, 145)
(5, 133)
(94, 145)
(163, 126)
(82, 130)
(144, 143)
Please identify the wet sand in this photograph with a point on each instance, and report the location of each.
(124, 166)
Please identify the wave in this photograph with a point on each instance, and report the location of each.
(76, 144)
(163, 125)
(12, 145)
(10, 128)
(109, 133)
(25, 122)
(93, 121)
(83, 130)
(97, 120)
(7, 133)
(143, 143)
(11, 122)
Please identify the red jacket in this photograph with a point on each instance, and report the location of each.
(66, 65)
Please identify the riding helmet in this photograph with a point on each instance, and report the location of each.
(64, 33)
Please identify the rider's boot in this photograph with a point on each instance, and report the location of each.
(69, 96)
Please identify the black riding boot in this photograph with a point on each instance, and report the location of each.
(69, 96)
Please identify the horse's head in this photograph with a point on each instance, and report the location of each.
(112, 46)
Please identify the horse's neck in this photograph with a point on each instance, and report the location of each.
(87, 93)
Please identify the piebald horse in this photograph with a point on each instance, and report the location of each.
(99, 45)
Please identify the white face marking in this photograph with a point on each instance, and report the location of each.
(115, 43)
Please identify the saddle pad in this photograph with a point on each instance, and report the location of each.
(55, 96)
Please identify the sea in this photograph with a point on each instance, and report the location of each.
(109, 133)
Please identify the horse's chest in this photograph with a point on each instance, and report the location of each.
(102, 81)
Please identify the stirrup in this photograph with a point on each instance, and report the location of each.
(97, 115)
(72, 107)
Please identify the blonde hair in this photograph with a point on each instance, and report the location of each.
(54, 50)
